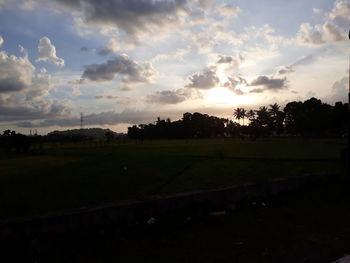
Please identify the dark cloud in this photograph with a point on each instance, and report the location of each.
(168, 96)
(268, 83)
(86, 49)
(107, 97)
(123, 66)
(204, 80)
(16, 73)
(132, 16)
(233, 82)
(225, 59)
(103, 118)
(78, 82)
(43, 110)
(257, 90)
(286, 70)
(104, 51)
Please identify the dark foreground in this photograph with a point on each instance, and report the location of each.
(307, 226)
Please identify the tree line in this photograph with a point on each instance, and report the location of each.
(311, 118)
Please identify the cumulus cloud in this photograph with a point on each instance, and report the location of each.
(47, 52)
(204, 80)
(331, 31)
(16, 73)
(122, 65)
(310, 35)
(23, 91)
(341, 11)
(1, 41)
(265, 83)
(168, 96)
(339, 91)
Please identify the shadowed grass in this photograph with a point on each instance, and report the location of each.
(79, 175)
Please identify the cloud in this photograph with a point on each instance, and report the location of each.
(132, 16)
(168, 96)
(28, 5)
(310, 35)
(204, 80)
(87, 49)
(16, 73)
(286, 70)
(227, 10)
(233, 82)
(268, 83)
(111, 47)
(333, 30)
(103, 118)
(43, 109)
(339, 91)
(177, 54)
(47, 52)
(78, 82)
(304, 60)
(23, 91)
(341, 11)
(230, 62)
(1, 41)
(122, 65)
(109, 97)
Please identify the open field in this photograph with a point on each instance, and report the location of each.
(78, 175)
(307, 226)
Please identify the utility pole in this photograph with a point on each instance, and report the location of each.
(81, 120)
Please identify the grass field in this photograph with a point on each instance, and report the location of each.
(84, 174)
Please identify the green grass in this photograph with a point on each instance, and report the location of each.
(82, 174)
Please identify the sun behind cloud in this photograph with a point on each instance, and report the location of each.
(224, 96)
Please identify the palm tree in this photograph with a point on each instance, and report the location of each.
(250, 114)
(263, 116)
(277, 118)
(237, 114)
(274, 109)
(243, 114)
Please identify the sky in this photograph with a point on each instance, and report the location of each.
(125, 62)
